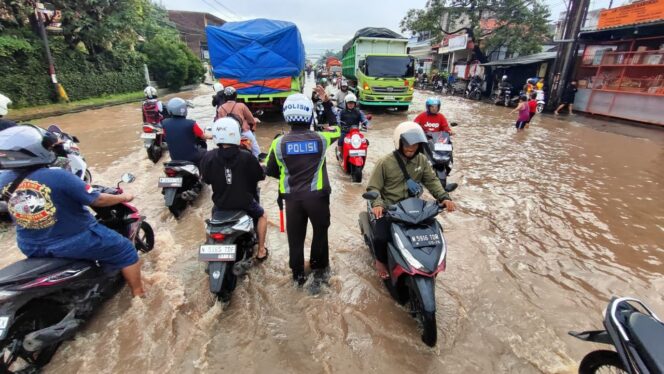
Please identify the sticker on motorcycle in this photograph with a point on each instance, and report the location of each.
(217, 252)
(170, 182)
(146, 135)
(306, 147)
(442, 147)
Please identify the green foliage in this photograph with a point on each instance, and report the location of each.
(521, 24)
(172, 63)
(96, 53)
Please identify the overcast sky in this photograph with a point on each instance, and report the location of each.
(329, 24)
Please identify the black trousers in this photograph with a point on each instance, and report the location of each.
(298, 213)
(381, 237)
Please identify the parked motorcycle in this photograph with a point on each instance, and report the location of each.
(153, 141)
(70, 154)
(228, 250)
(540, 101)
(354, 153)
(474, 89)
(181, 185)
(45, 301)
(416, 255)
(504, 96)
(637, 335)
(440, 156)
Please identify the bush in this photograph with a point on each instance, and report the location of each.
(171, 63)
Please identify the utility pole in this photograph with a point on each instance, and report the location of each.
(567, 49)
(59, 90)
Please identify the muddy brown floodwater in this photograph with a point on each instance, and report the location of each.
(552, 223)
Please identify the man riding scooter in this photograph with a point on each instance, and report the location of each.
(185, 138)
(343, 93)
(346, 118)
(396, 177)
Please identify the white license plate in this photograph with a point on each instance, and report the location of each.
(170, 182)
(390, 98)
(442, 147)
(147, 135)
(217, 252)
(357, 153)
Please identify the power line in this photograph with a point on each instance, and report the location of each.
(228, 9)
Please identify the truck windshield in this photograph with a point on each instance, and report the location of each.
(390, 66)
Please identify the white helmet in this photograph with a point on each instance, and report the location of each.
(226, 130)
(350, 98)
(298, 109)
(150, 92)
(4, 103)
(218, 87)
(409, 133)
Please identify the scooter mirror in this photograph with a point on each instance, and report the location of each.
(262, 156)
(75, 139)
(259, 113)
(369, 117)
(190, 104)
(371, 195)
(454, 124)
(128, 177)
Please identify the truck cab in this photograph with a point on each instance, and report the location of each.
(386, 80)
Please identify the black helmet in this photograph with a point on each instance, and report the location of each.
(26, 146)
(230, 93)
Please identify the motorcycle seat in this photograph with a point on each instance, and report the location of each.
(220, 217)
(31, 268)
(174, 163)
(648, 336)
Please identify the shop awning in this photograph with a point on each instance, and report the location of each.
(622, 32)
(524, 60)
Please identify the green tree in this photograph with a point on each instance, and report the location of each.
(520, 25)
(172, 64)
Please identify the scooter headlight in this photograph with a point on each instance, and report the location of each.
(412, 261)
(355, 141)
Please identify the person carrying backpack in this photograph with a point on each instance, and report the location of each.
(153, 109)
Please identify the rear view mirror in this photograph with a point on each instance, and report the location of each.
(454, 124)
(190, 104)
(75, 139)
(371, 195)
(369, 117)
(259, 112)
(128, 177)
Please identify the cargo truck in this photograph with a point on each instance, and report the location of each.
(263, 59)
(376, 62)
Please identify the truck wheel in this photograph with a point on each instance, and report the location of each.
(402, 108)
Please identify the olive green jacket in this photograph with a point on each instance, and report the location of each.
(388, 179)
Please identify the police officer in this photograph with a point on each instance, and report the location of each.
(297, 159)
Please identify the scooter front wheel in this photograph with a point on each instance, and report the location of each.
(423, 306)
(144, 240)
(600, 361)
(356, 173)
(88, 176)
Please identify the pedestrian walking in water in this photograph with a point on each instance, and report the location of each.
(568, 98)
(524, 113)
(532, 107)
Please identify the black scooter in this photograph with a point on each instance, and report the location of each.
(45, 301)
(637, 335)
(181, 185)
(416, 254)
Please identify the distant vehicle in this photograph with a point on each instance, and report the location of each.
(376, 63)
(266, 72)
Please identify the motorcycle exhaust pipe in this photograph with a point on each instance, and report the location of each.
(63, 330)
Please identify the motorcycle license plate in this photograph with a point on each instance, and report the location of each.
(442, 147)
(170, 182)
(147, 135)
(425, 240)
(357, 153)
(217, 252)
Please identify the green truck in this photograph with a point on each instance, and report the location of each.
(376, 64)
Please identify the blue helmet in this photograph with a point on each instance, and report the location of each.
(432, 101)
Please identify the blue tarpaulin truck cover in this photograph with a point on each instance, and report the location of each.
(256, 50)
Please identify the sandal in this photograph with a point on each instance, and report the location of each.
(262, 259)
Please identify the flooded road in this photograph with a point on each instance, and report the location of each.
(551, 223)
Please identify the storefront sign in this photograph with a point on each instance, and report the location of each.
(460, 42)
(644, 11)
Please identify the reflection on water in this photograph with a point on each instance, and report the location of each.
(552, 222)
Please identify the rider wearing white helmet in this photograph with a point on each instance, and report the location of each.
(234, 174)
(297, 159)
(392, 185)
(4, 103)
(218, 98)
(153, 110)
(346, 117)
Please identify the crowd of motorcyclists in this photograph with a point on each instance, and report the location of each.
(296, 159)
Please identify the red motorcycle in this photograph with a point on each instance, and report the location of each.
(354, 153)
